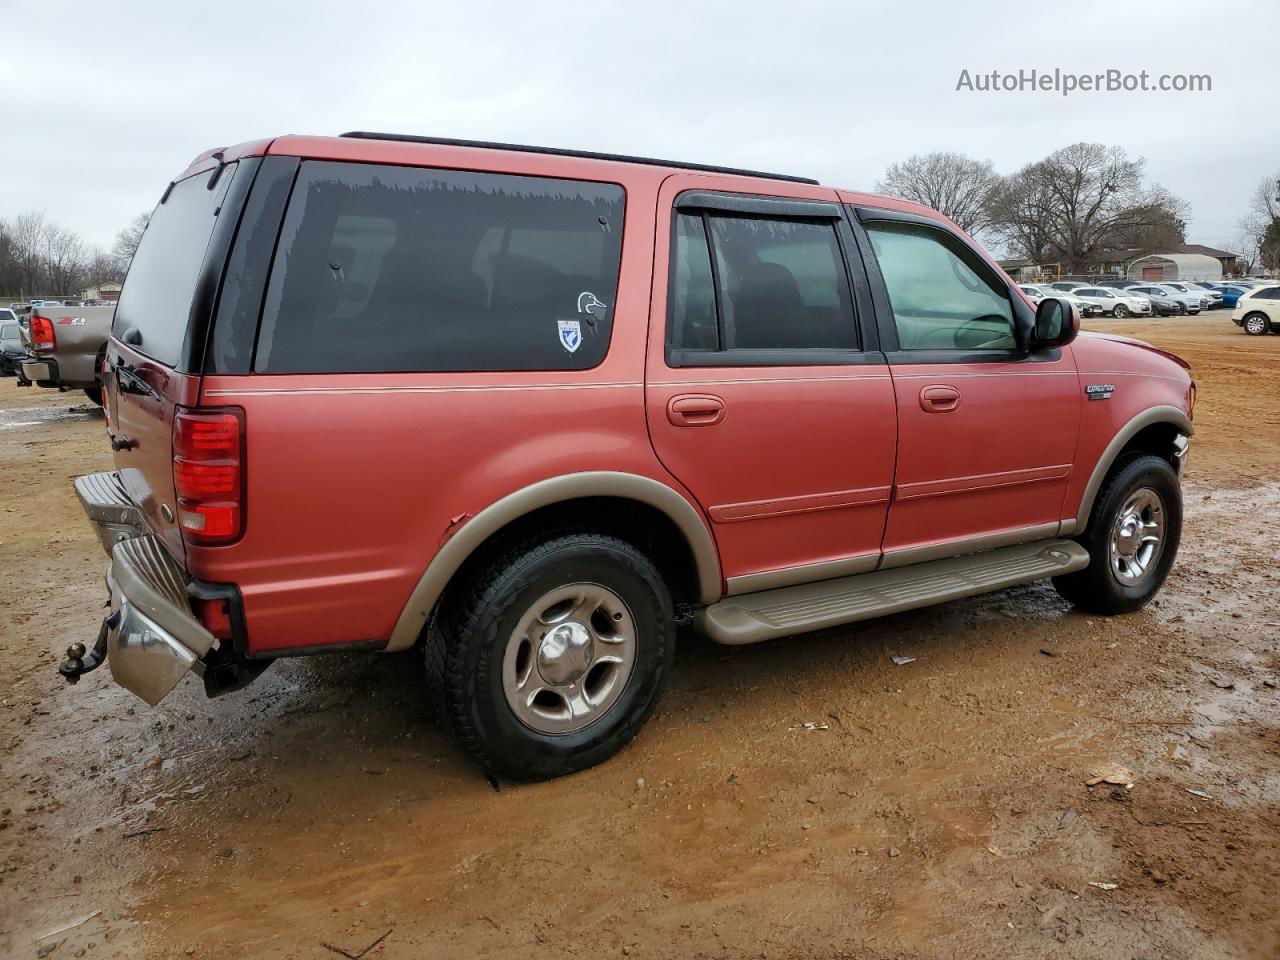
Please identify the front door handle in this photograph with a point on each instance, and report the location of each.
(939, 398)
(695, 410)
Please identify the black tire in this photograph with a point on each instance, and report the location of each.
(467, 640)
(94, 394)
(1256, 324)
(1120, 311)
(1096, 589)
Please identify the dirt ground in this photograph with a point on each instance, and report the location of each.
(802, 798)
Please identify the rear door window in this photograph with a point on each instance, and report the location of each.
(157, 294)
(759, 283)
(406, 269)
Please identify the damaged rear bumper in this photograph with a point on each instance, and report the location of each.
(152, 638)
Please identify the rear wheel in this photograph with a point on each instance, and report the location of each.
(94, 394)
(1132, 538)
(555, 657)
(1256, 324)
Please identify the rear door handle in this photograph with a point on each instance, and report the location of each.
(695, 410)
(939, 398)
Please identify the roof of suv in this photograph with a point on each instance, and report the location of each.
(364, 147)
(562, 152)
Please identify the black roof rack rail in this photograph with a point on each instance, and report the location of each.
(587, 154)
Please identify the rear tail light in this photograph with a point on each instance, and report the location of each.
(208, 473)
(42, 337)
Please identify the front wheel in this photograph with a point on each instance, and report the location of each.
(1132, 538)
(555, 657)
(1256, 324)
(1120, 311)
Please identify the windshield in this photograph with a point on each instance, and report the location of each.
(158, 291)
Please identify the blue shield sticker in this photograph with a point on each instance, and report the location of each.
(570, 334)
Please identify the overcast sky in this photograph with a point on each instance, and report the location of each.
(100, 105)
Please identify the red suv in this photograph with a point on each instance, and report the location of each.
(533, 409)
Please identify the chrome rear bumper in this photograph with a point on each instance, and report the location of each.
(152, 637)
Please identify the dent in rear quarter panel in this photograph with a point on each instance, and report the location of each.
(354, 481)
(1142, 380)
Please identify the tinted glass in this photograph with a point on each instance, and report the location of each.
(9, 331)
(782, 285)
(693, 299)
(1268, 293)
(942, 299)
(407, 269)
(156, 299)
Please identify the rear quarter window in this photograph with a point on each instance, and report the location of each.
(405, 269)
(156, 298)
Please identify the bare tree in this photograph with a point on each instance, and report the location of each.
(1260, 227)
(64, 259)
(28, 232)
(127, 241)
(957, 186)
(1244, 244)
(101, 267)
(10, 280)
(1082, 200)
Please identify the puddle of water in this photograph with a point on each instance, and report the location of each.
(36, 416)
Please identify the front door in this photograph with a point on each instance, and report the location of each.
(986, 432)
(766, 397)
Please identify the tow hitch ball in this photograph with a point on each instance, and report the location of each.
(79, 661)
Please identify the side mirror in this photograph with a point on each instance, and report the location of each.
(1057, 324)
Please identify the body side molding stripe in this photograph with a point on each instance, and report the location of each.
(808, 503)
(985, 481)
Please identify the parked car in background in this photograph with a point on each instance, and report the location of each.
(1117, 303)
(65, 346)
(1118, 284)
(620, 458)
(1231, 293)
(11, 348)
(1208, 289)
(1195, 298)
(1161, 302)
(1083, 307)
(1066, 286)
(1258, 311)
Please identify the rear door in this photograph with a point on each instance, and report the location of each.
(157, 335)
(987, 432)
(766, 393)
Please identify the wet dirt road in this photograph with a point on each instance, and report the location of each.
(801, 798)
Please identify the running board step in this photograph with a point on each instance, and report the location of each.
(752, 617)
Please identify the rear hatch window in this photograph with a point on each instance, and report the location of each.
(155, 303)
